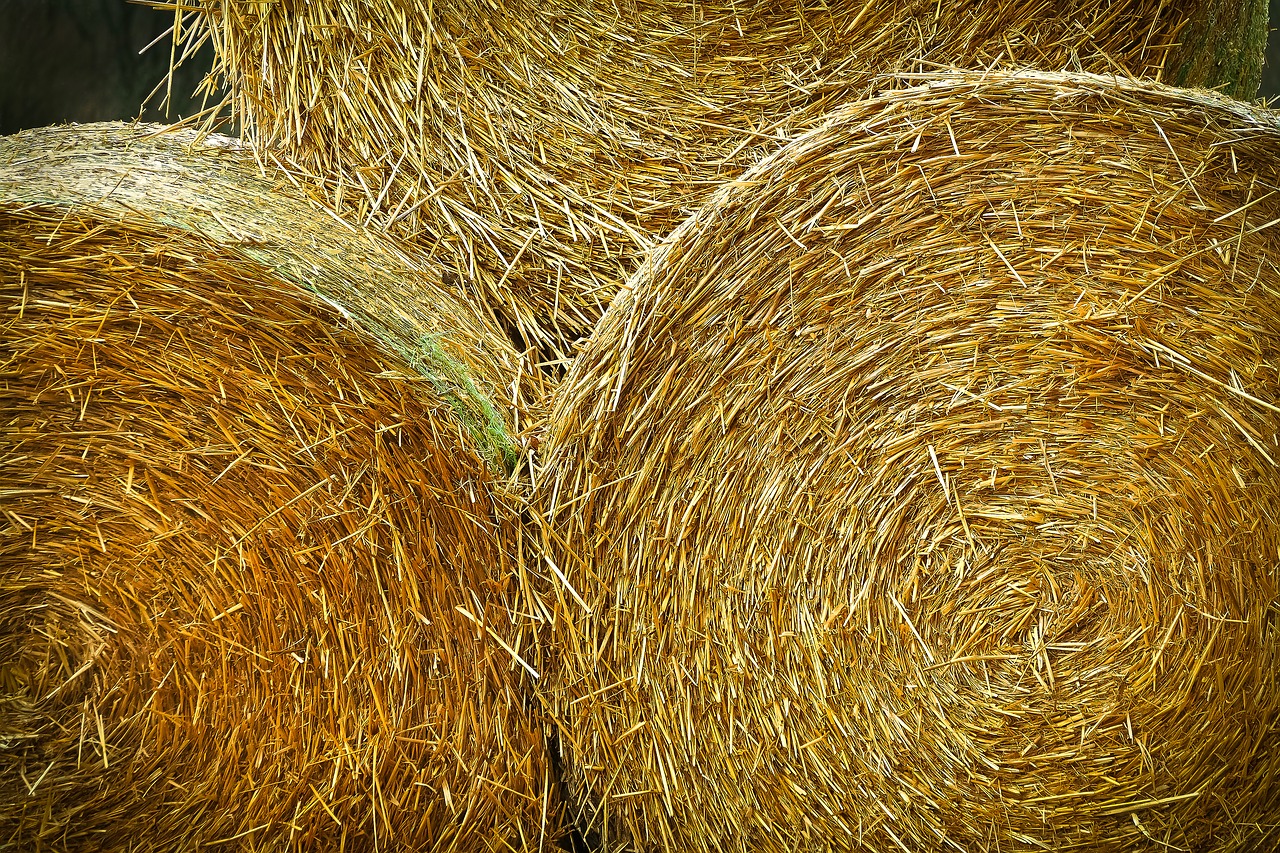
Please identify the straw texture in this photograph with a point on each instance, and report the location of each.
(256, 566)
(544, 145)
(921, 494)
(211, 185)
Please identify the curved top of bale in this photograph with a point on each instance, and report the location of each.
(256, 582)
(545, 145)
(922, 492)
(210, 185)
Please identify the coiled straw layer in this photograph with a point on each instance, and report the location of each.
(255, 556)
(543, 145)
(921, 493)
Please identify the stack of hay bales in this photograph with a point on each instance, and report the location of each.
(922, 492)
(542, 146)
(917, 492)
(256, 559)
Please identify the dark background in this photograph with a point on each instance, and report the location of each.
(77, 60)
(1271, 73)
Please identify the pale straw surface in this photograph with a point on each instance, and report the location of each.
(256, 563)
(921, 494)
(543, 145)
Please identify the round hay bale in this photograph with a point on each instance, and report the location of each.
(922, 493)
(543, 146)
(256, 559)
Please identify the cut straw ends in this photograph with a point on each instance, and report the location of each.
(544, 146)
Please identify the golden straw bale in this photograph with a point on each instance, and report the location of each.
(543, 146)
(256, 557)
(921, 494)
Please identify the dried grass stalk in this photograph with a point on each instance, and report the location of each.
(255, 563)
(922, 493)
(543, 146)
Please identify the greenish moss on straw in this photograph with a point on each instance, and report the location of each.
(453, 382)
(1223, 45)
(922, 492)
(542, 146)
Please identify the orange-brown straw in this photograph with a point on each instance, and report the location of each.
(257, 543)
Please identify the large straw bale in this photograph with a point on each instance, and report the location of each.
(256, 569)
(921, 493)
(544, 145)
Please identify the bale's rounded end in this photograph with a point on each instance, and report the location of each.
(924, 491)
(254, 584)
